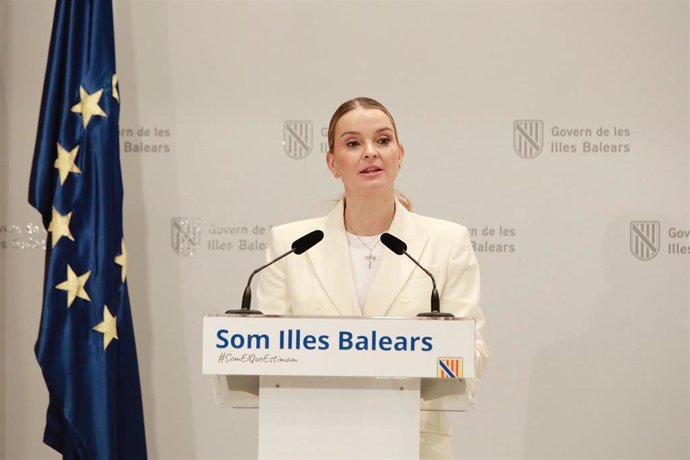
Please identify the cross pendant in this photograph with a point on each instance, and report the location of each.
(370, 257)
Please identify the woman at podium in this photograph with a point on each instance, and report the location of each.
(350, 273)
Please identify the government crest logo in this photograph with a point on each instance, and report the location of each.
(528, 138)
(185, 235)
(297, 138)
(449, 368)
(645, 239)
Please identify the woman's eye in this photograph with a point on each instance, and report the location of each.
(351, 144)
(384, 140)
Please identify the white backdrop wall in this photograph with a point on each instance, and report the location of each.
(589, 341)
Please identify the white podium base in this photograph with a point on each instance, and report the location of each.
(338, 418)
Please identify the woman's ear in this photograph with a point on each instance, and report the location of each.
(330, 162)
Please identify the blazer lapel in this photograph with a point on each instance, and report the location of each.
(395, 270)
(332, 264)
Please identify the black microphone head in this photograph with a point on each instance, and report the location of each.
(396, 245)
(306, 242)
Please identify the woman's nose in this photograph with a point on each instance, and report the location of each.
(370, 151)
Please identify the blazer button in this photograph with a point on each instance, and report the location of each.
(319, 305)
(404, 300)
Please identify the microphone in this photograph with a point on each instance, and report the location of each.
(299, 246)
(304, 243)
(399, 247)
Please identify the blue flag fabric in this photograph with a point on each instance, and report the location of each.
(85, 344)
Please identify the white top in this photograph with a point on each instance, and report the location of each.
(365, 255)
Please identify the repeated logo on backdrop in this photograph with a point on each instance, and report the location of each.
(530, 139)
(145, 139)
(186, 236)
(494, 239)
(646, 240)
(298, 136)
(22, 236)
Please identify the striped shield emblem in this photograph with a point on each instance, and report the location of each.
(297, 138)
(185, 235)
(449, 368)
(528, 137)
(645, 239)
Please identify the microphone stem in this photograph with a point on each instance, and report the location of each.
(266, 265)
(433, 281)
(435, 302)
(247, 296)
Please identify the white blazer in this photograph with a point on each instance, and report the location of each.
(320, 281)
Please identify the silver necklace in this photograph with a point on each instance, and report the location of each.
(371, 256)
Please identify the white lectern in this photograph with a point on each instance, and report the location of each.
(336, 387)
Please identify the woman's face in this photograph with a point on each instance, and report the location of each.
(366, 154)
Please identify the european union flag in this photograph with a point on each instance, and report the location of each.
(85, 345)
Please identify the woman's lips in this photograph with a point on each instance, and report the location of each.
(371, 170)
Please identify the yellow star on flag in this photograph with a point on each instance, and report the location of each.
(122, 261)
(65, 162)
(74, 285)
(108, 327)
(59, 226)
(88, 106)
(116, 94)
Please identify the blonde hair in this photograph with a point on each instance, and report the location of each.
(405, 201)
(365, 103)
